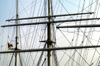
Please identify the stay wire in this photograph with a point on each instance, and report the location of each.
(79, 23)
(63, 6)
(23, 7)
(36, 53)
(75, 45)
(98, 40)
(75, 49)
(20, 12)
(95, 11)
(20, 60)
(38, 35)
(33, 11)
(90, 42)
(11, 9)
(94, 52)
(35, 57)
(26, 42)
(30, 44)
(82, 9)
(11, 59)
(70, 57)
(71, 50)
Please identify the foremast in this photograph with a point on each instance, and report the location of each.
(16, 46)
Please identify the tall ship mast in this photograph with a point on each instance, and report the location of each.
(51, 33)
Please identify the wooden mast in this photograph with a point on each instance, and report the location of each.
(49, 33)
(16, 47)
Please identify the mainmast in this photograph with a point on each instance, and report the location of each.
(49, 40)
(16, 47)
